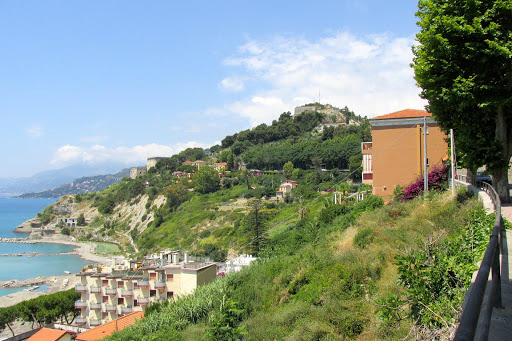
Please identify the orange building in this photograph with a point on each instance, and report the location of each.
(396, 154)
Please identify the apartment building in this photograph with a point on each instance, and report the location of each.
(396, 154)
(108, 293)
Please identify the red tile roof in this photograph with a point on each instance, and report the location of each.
(406, 113)
(109, 328)
(47, 334)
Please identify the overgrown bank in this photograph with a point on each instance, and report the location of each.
(334, 276)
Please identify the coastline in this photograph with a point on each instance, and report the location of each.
(84, 250)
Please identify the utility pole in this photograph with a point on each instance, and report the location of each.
(425, 159)
(452, 156)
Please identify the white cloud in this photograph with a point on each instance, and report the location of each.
(35, 131)
(69, 154)
(369, 74)
(232, 84)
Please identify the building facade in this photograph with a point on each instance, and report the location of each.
(107, 294)
(396, 154)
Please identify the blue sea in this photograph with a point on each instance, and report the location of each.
(12, 213)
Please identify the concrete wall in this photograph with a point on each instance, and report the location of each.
(397, 155)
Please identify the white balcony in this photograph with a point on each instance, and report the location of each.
(160, 285)
(143, 300)
(126, 293)
(126, 310)
(80, 320)
(110, 292)
(143, 283)
(80, 304)
(110, 308)
(95, 306)
(94, 323)
(80, 288)
(94, 290)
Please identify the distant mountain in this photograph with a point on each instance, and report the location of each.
(82, 185)
(46, 180)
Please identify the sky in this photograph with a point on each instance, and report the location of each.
(90, 82)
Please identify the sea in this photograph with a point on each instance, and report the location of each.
(13, 212)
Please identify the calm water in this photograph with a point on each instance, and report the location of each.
(12, 213)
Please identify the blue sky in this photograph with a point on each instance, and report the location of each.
(117, 81)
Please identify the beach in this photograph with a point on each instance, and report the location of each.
(56, 283)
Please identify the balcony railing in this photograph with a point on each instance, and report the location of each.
(95, 290)
(94, 323)
(80, 320)
(109, 291)
(80, 304)
(109, 308)
(95, 306)
(160, 285)
(126, 310)
(143, 282)
(126, 293)
(80, 288)
(143, 300)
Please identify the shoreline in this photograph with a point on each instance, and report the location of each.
(85, 250)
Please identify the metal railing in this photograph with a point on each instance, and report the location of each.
(490, 263)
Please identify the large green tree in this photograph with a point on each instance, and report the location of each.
(206, 180)
(463, 63)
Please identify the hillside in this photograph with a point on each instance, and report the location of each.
(161, 210)
(82, 185)
(353, 271)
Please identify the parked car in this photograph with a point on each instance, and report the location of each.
(483, 177)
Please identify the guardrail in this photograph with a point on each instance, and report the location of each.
(490, 263)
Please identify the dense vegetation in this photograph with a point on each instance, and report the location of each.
(42, 310)
(333, 275)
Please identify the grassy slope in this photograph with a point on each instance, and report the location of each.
(315, 284)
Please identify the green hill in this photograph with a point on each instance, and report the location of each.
(355, 271)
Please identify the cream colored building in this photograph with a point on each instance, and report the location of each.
(107, 294)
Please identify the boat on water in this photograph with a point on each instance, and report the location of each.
(33, 288)
(67, 272)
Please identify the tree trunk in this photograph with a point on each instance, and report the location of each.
(471, 175)
(500, 184)
(500, 175)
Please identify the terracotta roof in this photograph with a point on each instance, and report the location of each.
(47, 334)
(109, 328)
(406, 113)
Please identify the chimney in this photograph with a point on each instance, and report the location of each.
(175, 258)
(186, 257)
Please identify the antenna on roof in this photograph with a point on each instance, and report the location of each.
(318, 96)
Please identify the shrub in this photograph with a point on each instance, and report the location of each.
(66, 231)
(437, 179)
(364, 237)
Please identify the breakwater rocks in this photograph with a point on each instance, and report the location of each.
(17, 240)
(24, 283)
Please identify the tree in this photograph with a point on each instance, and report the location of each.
(288, 169)
(256, 224)
(462, 63)
(206, 180)
(81, 220)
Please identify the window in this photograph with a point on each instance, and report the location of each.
(170, 294)
(152, 276)
(120, 284)
(104, 299)
(120, 300)
(135, 303)
(170, 277)
(152, 293)
(104, 282)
